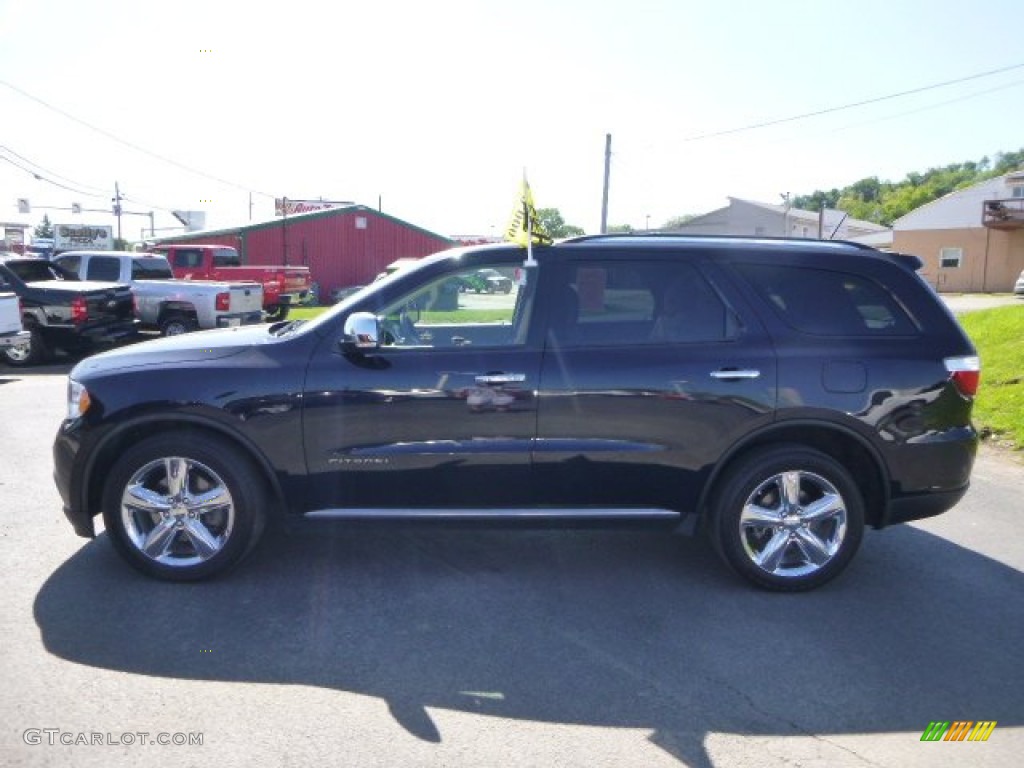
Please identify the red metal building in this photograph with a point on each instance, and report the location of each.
(342, 246)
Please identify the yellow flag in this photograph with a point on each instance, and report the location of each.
(524, 228)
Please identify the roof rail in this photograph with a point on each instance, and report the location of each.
(611, 236)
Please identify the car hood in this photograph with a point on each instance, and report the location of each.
(186, 348)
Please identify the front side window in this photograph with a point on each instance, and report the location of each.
(484, 306)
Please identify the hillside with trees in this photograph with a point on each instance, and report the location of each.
(885, 201)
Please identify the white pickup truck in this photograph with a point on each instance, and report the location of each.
(162, 302)
(11, 332)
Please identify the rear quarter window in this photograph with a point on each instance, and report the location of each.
(824, 302)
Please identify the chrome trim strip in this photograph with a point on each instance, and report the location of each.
(540, 513)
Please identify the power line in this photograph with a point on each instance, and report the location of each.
(131, 145)
(865, 102)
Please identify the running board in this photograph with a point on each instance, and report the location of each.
(496, 514)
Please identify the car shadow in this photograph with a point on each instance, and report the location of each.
(600, 628)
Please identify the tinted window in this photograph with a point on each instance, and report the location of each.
(105, 268)
(38, 270)
(827, 303)
(188, 258)
(638, 303)
(70, 263)
(151, 269)
(226, 257)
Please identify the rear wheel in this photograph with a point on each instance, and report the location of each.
(175, 325)
(277, 313)
(183, 506)
(787, 518)
(32, 352)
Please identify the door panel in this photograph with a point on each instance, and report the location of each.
(640, 422)
(442, 415)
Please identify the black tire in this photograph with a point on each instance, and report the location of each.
(277, 313)
(175, 325)
(187, 539)
(801, 544)
(33, 352)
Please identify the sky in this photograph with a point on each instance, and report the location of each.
(433, 111)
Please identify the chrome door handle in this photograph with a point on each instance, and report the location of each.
(501, 378)
(735, 373)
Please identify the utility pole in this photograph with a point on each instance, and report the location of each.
(607, 173)
(117, 208)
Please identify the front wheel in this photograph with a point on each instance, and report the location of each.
(787, 518)
(183, 507)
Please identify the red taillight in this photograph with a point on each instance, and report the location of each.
(965, 373)
(79, 310)
(223, 302)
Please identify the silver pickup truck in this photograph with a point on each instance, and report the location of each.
(11, 332)
(162, 302)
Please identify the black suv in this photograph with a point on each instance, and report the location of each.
(778, 394)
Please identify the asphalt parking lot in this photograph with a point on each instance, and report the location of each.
(519, 648)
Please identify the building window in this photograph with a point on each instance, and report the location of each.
(1017, 191)
(950, 258)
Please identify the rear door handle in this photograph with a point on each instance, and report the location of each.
(735, 373)
(501, 378)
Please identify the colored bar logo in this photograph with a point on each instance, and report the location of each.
(959, 730)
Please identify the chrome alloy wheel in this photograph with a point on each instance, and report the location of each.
(793, 524)
(177, 511)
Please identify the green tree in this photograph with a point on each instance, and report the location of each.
(884, 201)
(621, 228)
(551, 219)
(677, 221)
(45, 228)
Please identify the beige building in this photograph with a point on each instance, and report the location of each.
(971, 240)
(753, 219)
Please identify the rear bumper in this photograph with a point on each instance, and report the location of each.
(14, 339)
(241, 318)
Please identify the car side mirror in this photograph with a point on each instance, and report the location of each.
(362, 331)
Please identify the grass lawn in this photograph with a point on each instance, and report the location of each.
(999, 336)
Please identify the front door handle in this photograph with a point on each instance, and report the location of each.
(727, 374)
(501, 378)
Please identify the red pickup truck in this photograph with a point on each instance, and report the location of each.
(283, 286)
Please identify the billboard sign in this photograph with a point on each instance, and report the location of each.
(285, 206)
(69, 237)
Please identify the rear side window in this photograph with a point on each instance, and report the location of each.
(151, 269)
(828, 303)
(636, 302)
(106, 268)
(187, 258)
(226, 257)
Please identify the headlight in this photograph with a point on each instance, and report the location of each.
(78, 399)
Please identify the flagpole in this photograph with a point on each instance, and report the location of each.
(529, 222)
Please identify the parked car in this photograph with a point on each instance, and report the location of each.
(62, 312)
(11, 332)
(164, 303)
(339, 294)
(487, 281)
(779, 395)
(1018, 288)
(284, 286)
